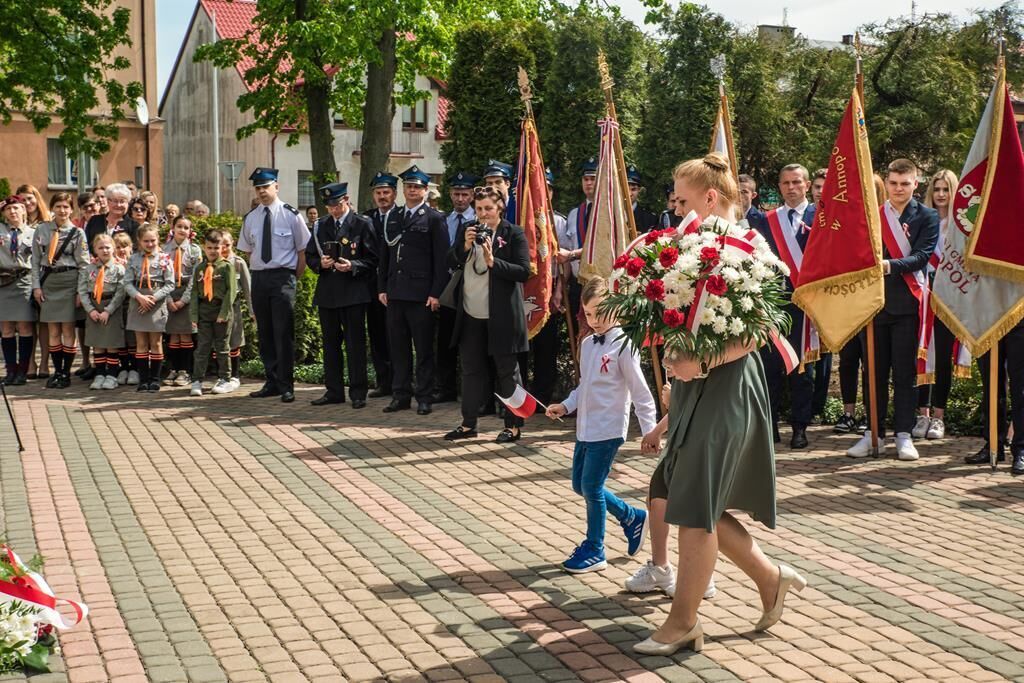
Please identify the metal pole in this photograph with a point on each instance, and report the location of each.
(216, 132)
(993, 400)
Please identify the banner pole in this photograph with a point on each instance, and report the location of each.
(569, 326)
(993, 402)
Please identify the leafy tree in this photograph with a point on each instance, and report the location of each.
(358, 58)
(57, 61)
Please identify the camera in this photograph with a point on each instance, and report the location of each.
(482, 233)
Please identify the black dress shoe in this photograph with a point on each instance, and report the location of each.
(20, 380)
(378, 393)
(397, 405)
(508, 436)
(982, 457)
(89, 373)
(358, 403)
(424, 408)
(799, 439)
(81, 371)
(1018, 463)
(287, 396)
(153, 387)
(63, 381)
(459, 433)
(51, 383)
(324, 400)
(264, 392)
(444, 397)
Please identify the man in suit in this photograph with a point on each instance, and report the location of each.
(460, 191)
(342, 251)
(910, 231)
(786, 229)
(644, 220)
(385, 188)
(748, 193)
(411, 277)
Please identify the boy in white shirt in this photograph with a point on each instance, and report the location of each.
(610, 378)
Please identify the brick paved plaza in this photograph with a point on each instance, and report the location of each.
(234, 539)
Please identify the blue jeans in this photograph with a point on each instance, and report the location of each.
(591, 464)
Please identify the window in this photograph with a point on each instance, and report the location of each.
(307, 193)
(415, 117)
(62, 172)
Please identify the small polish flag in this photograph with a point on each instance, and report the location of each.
(690, 223)
(789, 356)
(521, 402)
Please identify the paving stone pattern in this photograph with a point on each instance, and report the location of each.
(234, 539)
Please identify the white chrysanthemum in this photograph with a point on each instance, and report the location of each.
(617, 274)
(672, 301)
(736, 327)
(686, 295)
(725, 306)
(688, 263)
(732, 257)
(665, 240)
(783, 268)
(730, 274)
(708, 316)
(746, 303)
(689, 240)
(759, 271)
(719, 324)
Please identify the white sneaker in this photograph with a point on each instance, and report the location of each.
(936, 429)
(920, 427)
(862, 448)
(109, 382)
(905, 448)
(235, 383)
(122, 377)
(222, 386)
(197, 389)
(133, 377)
(183, 379)
(650, 577)
(97, 382)
(171, 376)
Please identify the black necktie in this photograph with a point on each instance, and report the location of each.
(459, 226)
(337, 226)
(792, 219)
(266, 251)
(599, 339)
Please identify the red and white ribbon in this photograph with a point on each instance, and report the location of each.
(897, 243)
(31, 589)
(793, 256)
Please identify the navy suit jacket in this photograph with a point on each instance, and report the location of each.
(759, 222)
(923, 229)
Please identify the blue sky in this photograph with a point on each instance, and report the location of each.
(820, 19)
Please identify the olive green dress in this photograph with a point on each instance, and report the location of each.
(720, 454)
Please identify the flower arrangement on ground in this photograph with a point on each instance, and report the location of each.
(28, 614)
(699, 287)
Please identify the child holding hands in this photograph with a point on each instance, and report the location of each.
(214, 291)
(610, 378)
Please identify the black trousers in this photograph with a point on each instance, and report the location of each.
(447, 356)
(936, 395)
(475, 381)
(273, 302)
(1015, 370)
(850, 370)
(896, 339)
(822, 377)
(349, 324)
(377, 326)
(801, 384)
(411, 325)
(546, 345)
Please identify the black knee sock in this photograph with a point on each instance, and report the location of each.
(99, 361)
(236, 362)
(26, 348)
(155, 361)
(10, 348)
(69, 358)
(142, 366)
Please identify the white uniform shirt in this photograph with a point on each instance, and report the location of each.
(289, 237)
(453, 222)
(798, 217)
(610, 378)
(568, 238)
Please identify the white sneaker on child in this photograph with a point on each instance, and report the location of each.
(235, 383)
(133, 377)
(122, 377)
(171, 376)
(110, 382)
(183, 379)
(920, 427)
(905, 448)
(936, 429)
(197, 389)
(221, 387)
(650, 577)
(97, 382)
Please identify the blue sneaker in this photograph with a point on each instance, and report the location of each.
(585, 559)
(636, 532)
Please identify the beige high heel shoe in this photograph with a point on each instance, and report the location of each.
(788, 579)
(652, 647)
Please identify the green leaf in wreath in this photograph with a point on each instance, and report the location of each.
(38, 659)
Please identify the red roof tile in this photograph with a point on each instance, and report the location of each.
(234, 18)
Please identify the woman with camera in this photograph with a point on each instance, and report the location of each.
(490, 321)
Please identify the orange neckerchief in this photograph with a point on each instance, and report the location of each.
(177, 265)
(97, 289)
(145, 272)
(208, 282)
(54, 239)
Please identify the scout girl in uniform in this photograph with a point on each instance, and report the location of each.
(184, 256)
(16, 311)
(127, 374)
(58, 251)
(101, 291)
(150, 280)
(36, 213)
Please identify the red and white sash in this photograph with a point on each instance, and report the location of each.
(897, 243)
(793, 256)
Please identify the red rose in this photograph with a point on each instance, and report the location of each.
(709, 254)
(651, 237)
(673, 318)
(716, 285)
(634, 266)
(621, 261)
(668, 256)
(655, 290)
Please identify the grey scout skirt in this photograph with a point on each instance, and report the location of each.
(154, 320)
(16, 301)
(59, 290)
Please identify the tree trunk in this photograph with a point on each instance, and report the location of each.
(379, 112)
(321, 135)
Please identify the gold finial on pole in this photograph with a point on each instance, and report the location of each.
(602, 67)
(525, 91)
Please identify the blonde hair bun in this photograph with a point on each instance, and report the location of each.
(716, 161)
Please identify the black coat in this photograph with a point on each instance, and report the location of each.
(645, 220)
(355, 242)
(413, 268)
(506, 323)
(97, 225)
(923, 224)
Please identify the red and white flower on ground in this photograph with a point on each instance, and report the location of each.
(699, 287)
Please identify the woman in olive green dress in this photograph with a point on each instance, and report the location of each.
(719, 454)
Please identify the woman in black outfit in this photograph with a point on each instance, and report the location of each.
(489, 317)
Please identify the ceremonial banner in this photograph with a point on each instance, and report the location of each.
(608, 231)
(978, 308)
(537, 220)
(721, 135)
(840, 283)
(990, 193)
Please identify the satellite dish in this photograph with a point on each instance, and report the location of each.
(142, 111)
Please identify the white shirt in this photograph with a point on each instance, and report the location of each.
(453, 222)
(289, 236)
(800, 209)
(567, 237)
(610, 378)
